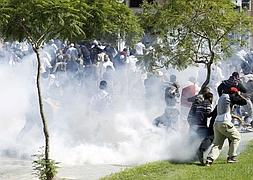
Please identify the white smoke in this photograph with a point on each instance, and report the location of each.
(124, 136)
(17, 88)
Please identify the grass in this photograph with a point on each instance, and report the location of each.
(243, 170)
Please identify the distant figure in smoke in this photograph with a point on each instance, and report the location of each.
(102, 101)
(72, 52)
(152, 90)
(247, 63)
(170, 117)
(249, 86)
(246, 69)
(216, 77)
(188, 92)
(86, 55)
(94, 51)
(110, 51)
(108, 76)
(45, 64)
(103, 64)
(247, 111)
(100, 112)
(171, 91)
(120, 60)
(32, 122)
(139, 48)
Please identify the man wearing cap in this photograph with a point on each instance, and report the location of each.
(224, 128)
(233, 81)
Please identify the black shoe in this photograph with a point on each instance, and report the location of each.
(209, 161)
(201, 156)
(231, 159)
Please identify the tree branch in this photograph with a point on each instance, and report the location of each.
(199, 61)
(198, 34)
(225, 33)
(42, 37)
(29, 35)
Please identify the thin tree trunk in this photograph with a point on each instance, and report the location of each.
(208, 73)
(44, 122)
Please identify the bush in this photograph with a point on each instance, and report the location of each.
(44, 169)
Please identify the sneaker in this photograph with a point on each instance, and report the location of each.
(209, 161)
(201, 157)
(231, 159)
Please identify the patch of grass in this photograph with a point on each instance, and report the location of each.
(243, 170)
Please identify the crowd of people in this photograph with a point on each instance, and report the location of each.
(213, 126)
(104, 73)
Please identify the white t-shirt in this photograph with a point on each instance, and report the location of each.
(139, 48)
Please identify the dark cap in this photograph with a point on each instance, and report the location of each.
(103, 85)
(235, 74)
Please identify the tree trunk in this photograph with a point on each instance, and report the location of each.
(208, 73)
(41, 110)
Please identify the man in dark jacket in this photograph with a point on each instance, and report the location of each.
(197, 118)
(233, 81)
(195, 100)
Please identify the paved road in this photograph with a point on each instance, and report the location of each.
(13, 169)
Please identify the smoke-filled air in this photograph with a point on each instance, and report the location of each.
(99, 110)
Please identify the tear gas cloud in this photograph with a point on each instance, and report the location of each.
(123, 135)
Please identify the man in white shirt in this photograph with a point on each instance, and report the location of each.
(101, 101)
(139, 47)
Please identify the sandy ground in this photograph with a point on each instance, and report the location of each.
(14, 169)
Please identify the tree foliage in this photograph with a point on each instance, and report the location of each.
(109, 18)
(38, 21)
(41, 20)
(194, 31)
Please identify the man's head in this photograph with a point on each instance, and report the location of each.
(106, 58)
(208, 96)
(95, 42)
(192, 79)
(173, 78)
(102, 85)
(108, 68)
(236, 75)
(206, 90)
